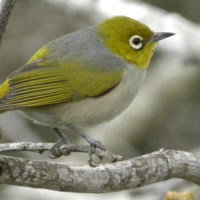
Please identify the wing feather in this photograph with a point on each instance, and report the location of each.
(44, 85)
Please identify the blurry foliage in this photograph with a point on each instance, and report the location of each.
(177, 124)
(188, 9)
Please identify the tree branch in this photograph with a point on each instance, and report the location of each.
(64, 149)
(6, 7)
(128, 174)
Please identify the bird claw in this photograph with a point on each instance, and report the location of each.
(59, 149)
(96, 144)
(93, 145)
(54, 156)
(96, 163)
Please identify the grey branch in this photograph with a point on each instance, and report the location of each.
(123, 175)
(6, 7)
(64, 149)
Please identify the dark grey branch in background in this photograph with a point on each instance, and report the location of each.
(6, 7)
(123, 175)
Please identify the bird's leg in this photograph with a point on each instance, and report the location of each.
(62, 141)
(93, 144)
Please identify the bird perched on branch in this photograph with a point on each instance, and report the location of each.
(83, 78)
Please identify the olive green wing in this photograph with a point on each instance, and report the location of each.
(50, 82)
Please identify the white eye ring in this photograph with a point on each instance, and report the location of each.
(136, 42)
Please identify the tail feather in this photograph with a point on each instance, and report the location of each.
(4, 89)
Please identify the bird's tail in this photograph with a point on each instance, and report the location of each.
(4, 89)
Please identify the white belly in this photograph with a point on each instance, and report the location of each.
(91, 111)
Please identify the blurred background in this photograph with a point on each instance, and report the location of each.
(166, 112)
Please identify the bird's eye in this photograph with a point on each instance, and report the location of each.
(136, 42)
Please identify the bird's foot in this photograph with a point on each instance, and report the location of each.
(93, 145)
(60, 148)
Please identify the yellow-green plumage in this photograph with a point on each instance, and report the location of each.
(94, 72)
(4, 89)
(82, 79)
(41, 53)
(62, 82)
(116, 34)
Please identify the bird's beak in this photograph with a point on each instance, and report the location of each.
(159, 36)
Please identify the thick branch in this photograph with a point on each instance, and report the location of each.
(6, 7)
(129, 174)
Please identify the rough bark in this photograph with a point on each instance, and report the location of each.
(123, 175)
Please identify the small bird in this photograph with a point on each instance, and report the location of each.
(83, 78)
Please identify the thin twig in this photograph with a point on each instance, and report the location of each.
(64, 149)
(6, 7)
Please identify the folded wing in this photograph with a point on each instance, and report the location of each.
(47, 82)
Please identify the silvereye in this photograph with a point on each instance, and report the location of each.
(83, 78)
